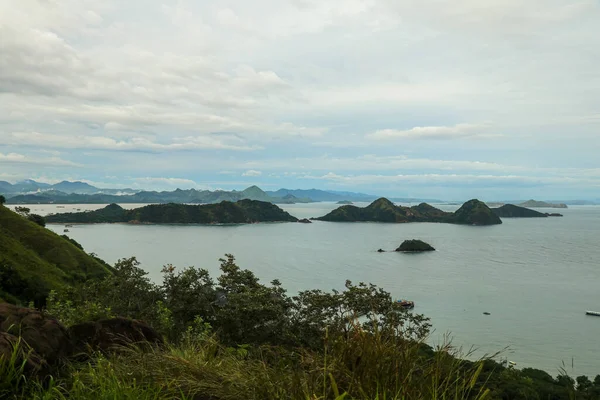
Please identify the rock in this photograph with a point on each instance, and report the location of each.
(381, 251)
(305, 221)
(45, 335)
(486, 313)
(553, 215)
(107, 334)
(414, 246)
(26, 356)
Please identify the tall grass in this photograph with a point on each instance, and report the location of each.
(361, 366)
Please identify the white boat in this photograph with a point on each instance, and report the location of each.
(595, 313)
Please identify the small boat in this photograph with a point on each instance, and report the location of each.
(406, 304)
(595, 313)
(66, 230)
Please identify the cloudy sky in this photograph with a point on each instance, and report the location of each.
(497, 99)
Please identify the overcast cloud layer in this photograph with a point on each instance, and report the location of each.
(497, 99)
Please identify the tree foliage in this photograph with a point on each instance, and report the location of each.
(243, 310)
(359, 333)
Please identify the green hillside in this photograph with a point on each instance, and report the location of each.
(35, 260)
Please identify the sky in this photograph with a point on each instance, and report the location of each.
(495, 99)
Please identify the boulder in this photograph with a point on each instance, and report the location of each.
(45, 335)
(108, 334)
(414, 246)
(25, 355)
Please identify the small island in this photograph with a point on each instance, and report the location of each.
(512, 211)
(473, 212)
(226, 212)
(344, 202)
(414, 246)
(541, 204)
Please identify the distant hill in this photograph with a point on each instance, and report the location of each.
(75, 187)
(512, 211)
(255, 193)
(35, 260)
(322, 195)
(473, 212)
(541, 204)
(240, 212)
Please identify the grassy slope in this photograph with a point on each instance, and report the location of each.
(41, 258)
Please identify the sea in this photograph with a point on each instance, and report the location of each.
(535, 277)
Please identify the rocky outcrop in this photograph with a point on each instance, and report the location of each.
(25, 355)
(106, 335)
(414, 246)
(42, 341)
(45, 335)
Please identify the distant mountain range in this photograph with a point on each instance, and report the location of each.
(66, 192)
(32, 187)
(32, 192)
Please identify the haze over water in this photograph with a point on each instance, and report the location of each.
(535, 276)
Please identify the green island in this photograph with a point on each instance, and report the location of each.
(226, 212)
(541, 204)
(512, 211)
(72, 327)
(473, 212)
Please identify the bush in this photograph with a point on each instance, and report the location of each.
(38, 219)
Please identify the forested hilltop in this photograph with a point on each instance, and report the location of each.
(226, 212)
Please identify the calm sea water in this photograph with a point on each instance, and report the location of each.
(535, 276)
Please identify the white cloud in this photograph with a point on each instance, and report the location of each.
(252, 172)
(181, 183)
(434, 132)
(454, 179)
(108, 143)
(15, 158)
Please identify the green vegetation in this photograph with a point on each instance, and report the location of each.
(236, 338)
(34, 260)
(512, 211)
(241, 212)
(415, 246)
(473, 212)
